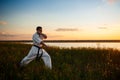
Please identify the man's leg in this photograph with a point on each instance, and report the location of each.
(27, 59)
(31, 56)
(47, 59)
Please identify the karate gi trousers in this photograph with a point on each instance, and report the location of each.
(33, 54)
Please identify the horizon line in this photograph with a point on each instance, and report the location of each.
(62, 41)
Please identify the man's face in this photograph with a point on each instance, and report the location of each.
(39, 31)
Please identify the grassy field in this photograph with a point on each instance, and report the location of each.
(68, 64)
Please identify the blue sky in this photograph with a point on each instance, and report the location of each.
(61, 19)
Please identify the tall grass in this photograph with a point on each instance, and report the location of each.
(68, 63)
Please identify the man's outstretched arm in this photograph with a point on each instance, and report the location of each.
(43, 44)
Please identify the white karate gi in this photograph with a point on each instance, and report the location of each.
(33, 53)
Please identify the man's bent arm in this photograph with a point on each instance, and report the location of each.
(44, 35)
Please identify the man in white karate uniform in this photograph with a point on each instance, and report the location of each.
(36, 51)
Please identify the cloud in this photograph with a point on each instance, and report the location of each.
(3, 23)
(55, 36)
(7, 36)
(67, 29)
(3, 34)
(102, 27)
(110, 1)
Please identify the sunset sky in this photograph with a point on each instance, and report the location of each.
(60, 19)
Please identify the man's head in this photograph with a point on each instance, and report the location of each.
(39, 29)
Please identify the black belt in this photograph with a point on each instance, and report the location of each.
(38, 57)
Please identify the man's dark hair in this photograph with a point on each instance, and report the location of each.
(39, 27)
